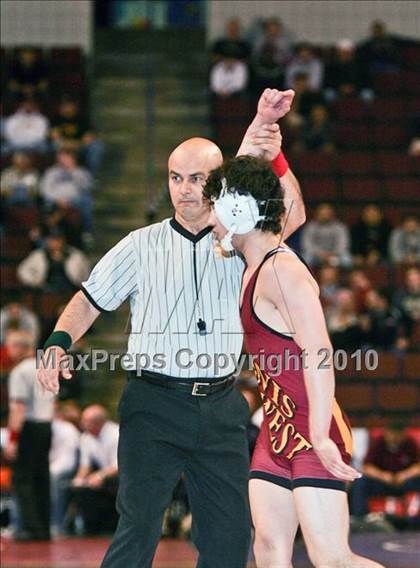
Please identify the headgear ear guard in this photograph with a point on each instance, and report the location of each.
(238, 213)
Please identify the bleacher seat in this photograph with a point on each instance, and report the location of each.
(21, 218)
(392, 164)
(350, 109)
(66, 57)
(398, 397)
(386, 109)
(15, 247)
(319, 188)
(365, 189)
(389, 367)
(352, 163)
(411, 369)
(313, 163)
(379, 276)
(400, 189)
(390, 136)
(411, 80)
(412, 56)
(354, 135)
(387, 83)
(355, 397)
(8, 277)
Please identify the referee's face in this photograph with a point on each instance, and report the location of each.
(189, 166)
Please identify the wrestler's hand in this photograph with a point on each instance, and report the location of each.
(263, 142)
(331, 459)
(50, 367)
(274, 104)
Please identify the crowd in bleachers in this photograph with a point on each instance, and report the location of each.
(50, 157)
(352, 139)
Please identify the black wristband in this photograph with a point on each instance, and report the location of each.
(61, 339)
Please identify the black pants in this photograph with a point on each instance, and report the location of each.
(164, 433)
(31, 477)
(97, 507)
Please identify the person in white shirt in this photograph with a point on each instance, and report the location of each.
(94, 486)
(19, 182)
(228, 77)
(26, 129)
(64, 457)
(69, 185)
(305, 61)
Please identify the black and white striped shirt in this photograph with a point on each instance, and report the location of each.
(173, 279)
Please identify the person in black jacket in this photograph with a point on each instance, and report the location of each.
(369, 236)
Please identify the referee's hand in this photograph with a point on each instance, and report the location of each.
(51, 365)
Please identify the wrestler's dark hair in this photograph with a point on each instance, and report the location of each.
(254, 176)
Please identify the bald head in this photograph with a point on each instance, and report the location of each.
(93, 418)
(197, 151)
(189, 166)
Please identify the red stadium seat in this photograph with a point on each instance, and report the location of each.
(16, 247)
(8, 277)
(413, 105)
(389, 367)
(19, 218)
(350, 109)
(388, 82)
(401, 397)
(412, 82)
(415, 337)
(412, 56)
(400, 189)
(385, 109)
(365, 189)
(354, 397)
(393, 164)
(412, 366)
(378, 275)
(354, 135)
(319, 188)
(390, 136)
(351, 163)
(395, 213)
(66, 57)
(415, 165)
(315, 163)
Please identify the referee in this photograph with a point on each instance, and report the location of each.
(178, 415)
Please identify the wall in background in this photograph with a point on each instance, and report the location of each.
(46, 23)
(320, 21)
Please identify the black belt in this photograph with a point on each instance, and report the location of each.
(196, 388)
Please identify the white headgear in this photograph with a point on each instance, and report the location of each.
(238, 213)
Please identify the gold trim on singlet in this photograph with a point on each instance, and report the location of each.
(344, 430)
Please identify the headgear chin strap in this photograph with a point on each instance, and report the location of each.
(238, 213)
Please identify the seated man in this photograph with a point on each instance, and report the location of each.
(71, 128)
(26, 130)
(391, 468)
(19, 182)
(95, 485)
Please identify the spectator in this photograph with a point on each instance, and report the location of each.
(305, 61)
(325, 240)
(29, 425)
(317, 132)
(52, 218)
(228, 77)
(232, 44)
(407, 300)
(55, 268)
(329, 285)
(64, 456)
(391, 468)
(69, 185)
(271, 52)
(404, 244)
(94, 486)
(16, 316)
(19, 182)
(28, 74)
(360, 285)
(382, 323)
(26, 130)
(304, 101)
(369, 237)
(71, 129)
(343, 322)
(414, 146)
(380, 52)
(344, 76)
